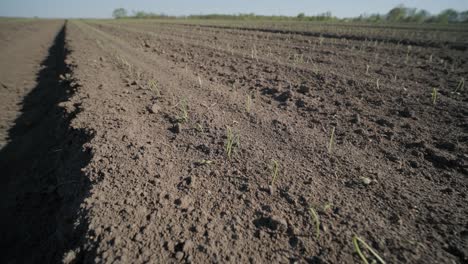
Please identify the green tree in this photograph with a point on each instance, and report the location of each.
(447, 16)
(119, 13)
(140, 14)
(301, 15)
(421, 16)
(463, 16)
(397, 14)
(374, 18)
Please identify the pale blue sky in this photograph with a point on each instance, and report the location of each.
(103, 8)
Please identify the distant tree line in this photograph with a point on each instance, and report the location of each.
(321, 17)
(399, 14)
(120, 13)
(404, 14)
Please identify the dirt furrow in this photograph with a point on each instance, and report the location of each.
(369, 60)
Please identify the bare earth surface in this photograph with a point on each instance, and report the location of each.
(100, 164)
(23, 45)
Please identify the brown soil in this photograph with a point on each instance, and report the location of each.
(99, 165)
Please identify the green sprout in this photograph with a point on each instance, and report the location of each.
(316, 219)
(407, 54)
(321, 39)
(204, 162)
(153, 85)
(461, 85)
(332, 139)
(327, 207)
(199, 81)
(199, 127)
(248, 103)
(434, 96)
(183, 117)
(274, 171)
(232, 142)
(356, 241)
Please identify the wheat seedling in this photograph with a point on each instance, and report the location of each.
(199, 81)
(332, 139)
(407, 54)
(434, 96)
(270, 53)
(378, 84)
(316, 219)
(255, 53)
(248, 102)
(357, 239)
(461, 85)
(183, 117)
(232, 141)
(199, 127)
(274, 171)
(153, 85)
(321, 39)
(138, 74)
(204, 162)
(327, 207)
(367, 69)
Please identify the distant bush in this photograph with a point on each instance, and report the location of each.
(143, 14)
(447, 16)
(119, 13)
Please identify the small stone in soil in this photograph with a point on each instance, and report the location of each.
(188, 245)
(154, 108)
(366, 181)
(179, 255)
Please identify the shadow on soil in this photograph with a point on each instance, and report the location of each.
(42, 184)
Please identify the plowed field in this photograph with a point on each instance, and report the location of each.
(188, 141)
